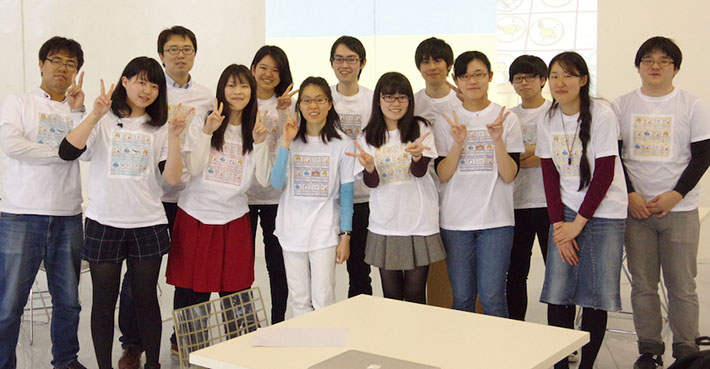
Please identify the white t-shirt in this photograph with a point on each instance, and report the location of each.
(528, 189)
(124, 179)
(657, 133)
(274, 122)
(557, 141)
(354, 112)
(431, 110)
(476, 197)
(401, 204)
(35, 179)
(194, 96)
(308, 218)
(218, 194)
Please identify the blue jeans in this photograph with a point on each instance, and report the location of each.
(478, 263)
(26, 240)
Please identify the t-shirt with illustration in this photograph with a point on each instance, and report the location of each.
(217, 195)
(528, 189)
(354, 112)
(308, 218)
(401, 204)
(657, 133)
(558, 139)
(35, 179)
(476, 197)
(124, 178)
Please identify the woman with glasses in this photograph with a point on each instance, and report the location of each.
(314, 219)
(394, 155)
(586, 198)
(477, 173)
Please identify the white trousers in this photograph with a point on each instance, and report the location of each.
(311, 279)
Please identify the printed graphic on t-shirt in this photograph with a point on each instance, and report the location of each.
(310, 177)
(130, 154)
(567, 163)
(53, 128)
(393, 163)
(226, 166)
(651, 136)
(351, 124)
(272, 132)
(529, 134)
(478, 154)
(172, 109)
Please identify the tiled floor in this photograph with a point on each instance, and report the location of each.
(619, 351)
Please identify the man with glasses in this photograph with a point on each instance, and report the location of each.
(40, 219)
(665, 138)
(353, 103)
(177, 47)
(528, 75)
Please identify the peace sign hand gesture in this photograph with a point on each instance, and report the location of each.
(179, 121)
(416, 148)
(284, 101)
(214, 120)
(102, 104)
(495, 129)
(290, 130)
(75, 95)
(458, 130)
(366, 160)
(259, 132)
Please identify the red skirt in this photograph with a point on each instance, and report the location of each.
(211, 258)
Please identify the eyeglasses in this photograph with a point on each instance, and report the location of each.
(392, 98)
(661, 62)
(58, 63)
(476, 76)
(174, 50)
(318, 100)
(527, 78)
(349, 60)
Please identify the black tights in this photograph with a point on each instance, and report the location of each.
(106, 278)
(593, 321)
(407, 285)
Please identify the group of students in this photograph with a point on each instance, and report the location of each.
(386, 178)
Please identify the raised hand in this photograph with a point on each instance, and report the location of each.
(75, 95)
(102, 104)
(284, 101)
(214, 120)
(459, 94)
(179, 121)
(495, 129)
(290, 130)
(416, 148)
(458, 130)
(259, 132)
(366, 160)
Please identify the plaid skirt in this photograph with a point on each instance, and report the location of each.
(403, 252)
(106, 244)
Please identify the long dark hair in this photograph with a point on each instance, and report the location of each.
(376, 130)
(241, 74)
(332, 121)
(150, 70)
(574, 64)
(281, 60)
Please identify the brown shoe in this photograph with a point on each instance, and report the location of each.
(130, 359)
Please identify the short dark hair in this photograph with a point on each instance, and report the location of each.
(61, 44)
(527, 64)
(332, 120)
(240, 73)
(434, 48)
(175, 31)
(281, 62)
(351, 43)
(663, 44)
(150, 69)
(461, 63)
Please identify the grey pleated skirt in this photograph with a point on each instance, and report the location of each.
(403, 252)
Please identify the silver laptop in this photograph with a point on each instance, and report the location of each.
(354, 359)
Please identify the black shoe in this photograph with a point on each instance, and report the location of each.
(73, 365)
(648, 361)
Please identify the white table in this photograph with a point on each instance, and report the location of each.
(429, 335)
